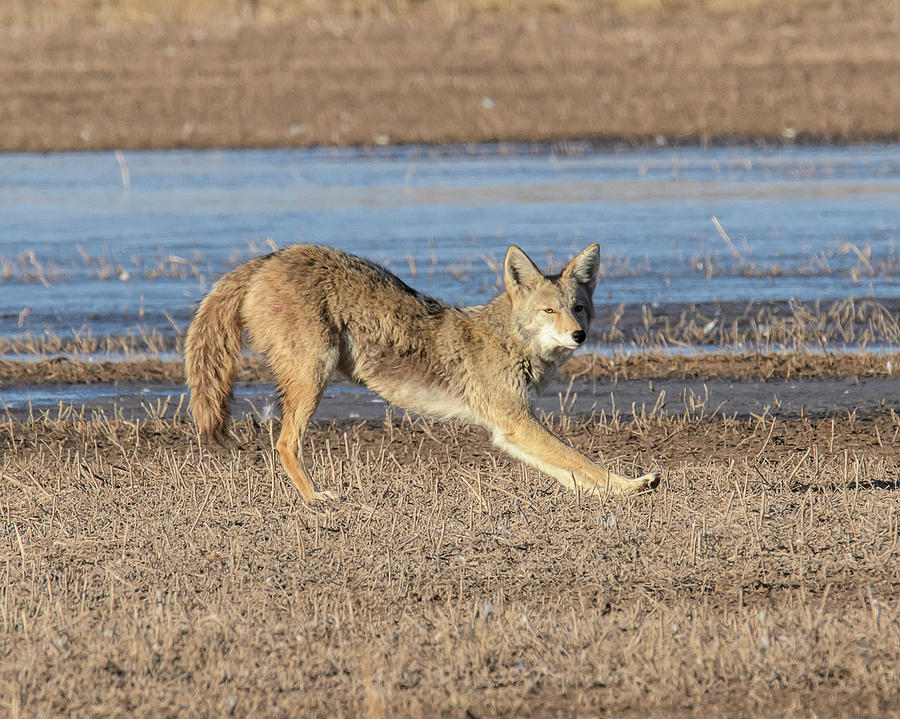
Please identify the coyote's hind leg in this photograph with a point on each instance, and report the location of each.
(301, 380)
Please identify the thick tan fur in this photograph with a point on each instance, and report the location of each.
(311, 310)
(213, 347)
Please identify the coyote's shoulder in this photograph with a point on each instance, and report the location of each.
(311, 310)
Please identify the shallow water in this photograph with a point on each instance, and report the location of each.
(147, 399)
(92, 243)
(672, 397)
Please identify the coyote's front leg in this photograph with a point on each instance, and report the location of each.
(530, 442)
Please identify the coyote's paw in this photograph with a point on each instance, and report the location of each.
(643, 483)
(322, 495)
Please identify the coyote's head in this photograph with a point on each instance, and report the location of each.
(552, 312)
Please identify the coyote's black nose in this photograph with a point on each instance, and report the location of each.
(579, 336)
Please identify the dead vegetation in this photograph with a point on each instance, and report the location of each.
(656, 365)
(143, 575)
(620, 366)
(791, 340)
(851, 325)
(758, 326)
(844, 338)
(846, 261)
(355, 72)
(22, 14)
(27, 267)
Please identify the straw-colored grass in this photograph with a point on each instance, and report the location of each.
(44, 14)
(145, 576)
(618, 366)
(839, 338)
(119, 75)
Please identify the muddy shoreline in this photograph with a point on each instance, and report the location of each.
(620, 363)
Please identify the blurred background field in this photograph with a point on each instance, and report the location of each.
(104, 75)
(119, 13)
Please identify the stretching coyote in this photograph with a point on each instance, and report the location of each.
(313, 309)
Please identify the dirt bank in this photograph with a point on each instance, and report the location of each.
(517, 72)
(616, 367)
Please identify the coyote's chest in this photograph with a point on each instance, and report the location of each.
(429, 400)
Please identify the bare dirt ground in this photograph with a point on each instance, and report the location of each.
(105, 75)
(144, 576)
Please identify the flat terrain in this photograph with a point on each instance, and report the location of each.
(667, 385)
(144, 576)
(106, 75)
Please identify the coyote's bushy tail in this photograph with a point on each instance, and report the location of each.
(213, 348)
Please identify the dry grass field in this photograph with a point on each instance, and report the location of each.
(145, 576)
(107, 74)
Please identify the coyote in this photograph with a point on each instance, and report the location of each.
(311, 310)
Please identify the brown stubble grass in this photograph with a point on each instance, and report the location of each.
(144, 575)
(796, 341)
(618, 366)
(758, 328)
(126, 75)
(125, 13)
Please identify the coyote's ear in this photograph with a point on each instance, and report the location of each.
(584, 267)
(519, 272)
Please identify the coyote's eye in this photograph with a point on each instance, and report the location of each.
(577, 308)
(549, 310)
